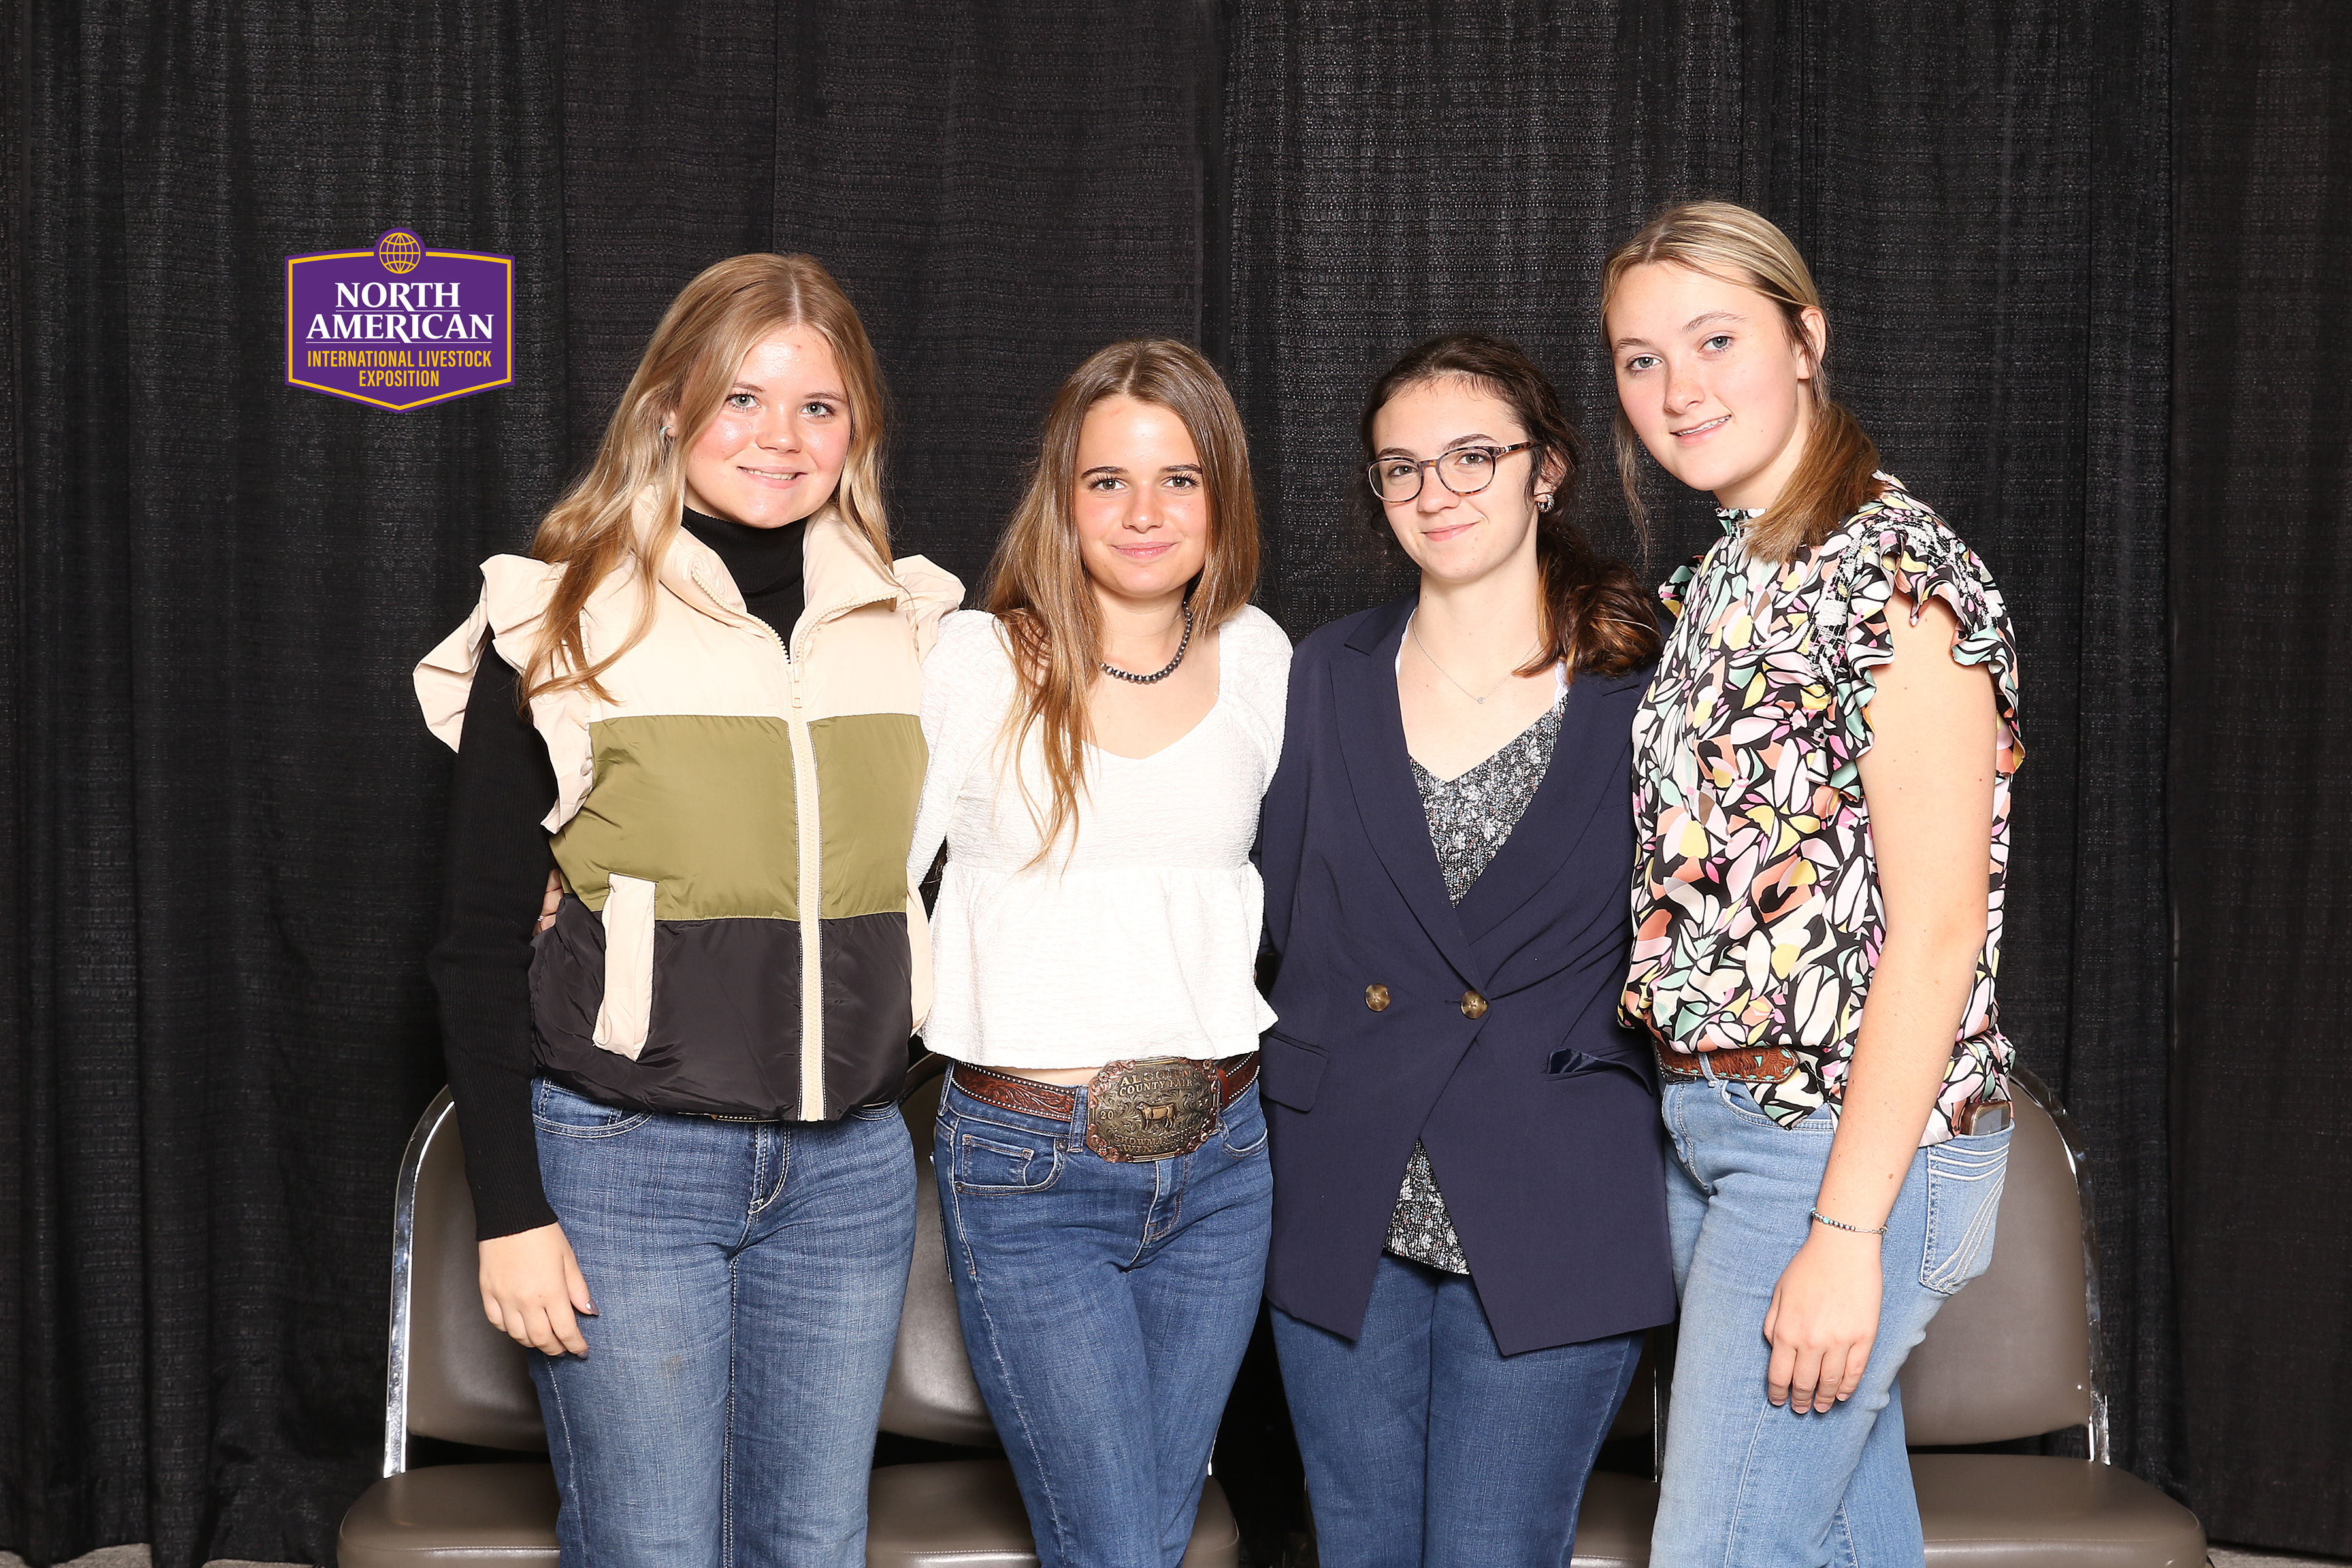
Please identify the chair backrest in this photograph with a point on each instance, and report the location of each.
(454, 1376)
(2012, 1355)
(932, 1393)
(451, 1374)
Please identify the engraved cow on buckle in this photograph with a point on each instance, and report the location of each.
(1155, 1109)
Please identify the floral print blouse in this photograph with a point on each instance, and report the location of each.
(1756, 903)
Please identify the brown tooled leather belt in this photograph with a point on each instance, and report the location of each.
(1770, 1064)
(1153, 1108)
(1764, 1063)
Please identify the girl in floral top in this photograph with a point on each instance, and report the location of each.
(1821, 786)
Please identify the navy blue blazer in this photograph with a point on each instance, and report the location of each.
(1541, 1115)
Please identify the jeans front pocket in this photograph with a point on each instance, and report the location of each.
(1244, 1124)
(993, 1159)
(568, 1114)
(1964, 1183)
(1740, 1099)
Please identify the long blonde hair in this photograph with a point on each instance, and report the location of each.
(1836, 475)
(1038, 586)
(689, 366)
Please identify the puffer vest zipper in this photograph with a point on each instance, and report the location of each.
(737, 937)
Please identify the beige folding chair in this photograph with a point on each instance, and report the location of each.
(452, 1376)
(2014, 1354)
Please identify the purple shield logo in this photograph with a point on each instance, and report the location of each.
(399, 326)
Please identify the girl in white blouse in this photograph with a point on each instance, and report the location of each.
(1100, 737)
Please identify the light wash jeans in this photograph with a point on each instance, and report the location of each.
(748, 1277)
(1105, 1307)
(1425, 1447)
(1748, 1485)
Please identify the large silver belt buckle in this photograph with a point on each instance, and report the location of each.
(1155, 1109)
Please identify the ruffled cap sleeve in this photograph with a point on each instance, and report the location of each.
(515, 594)
(930, 594)
(1896, 546)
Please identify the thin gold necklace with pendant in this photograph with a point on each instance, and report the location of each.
(1412, 630)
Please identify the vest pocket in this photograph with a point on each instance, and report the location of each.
(626, 1015)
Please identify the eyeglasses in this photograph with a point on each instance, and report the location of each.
(1464, 470)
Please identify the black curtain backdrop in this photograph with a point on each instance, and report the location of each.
(2261, 739)
(2077, 256)
(1002, 190)
(229, 833)
(1985, 210)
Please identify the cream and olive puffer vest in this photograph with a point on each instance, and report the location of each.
(732, 820)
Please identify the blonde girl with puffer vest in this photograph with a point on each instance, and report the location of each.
(700, 697)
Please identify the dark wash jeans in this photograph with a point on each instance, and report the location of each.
(747, 1279)
(1105, 1307)
(1426, 1446)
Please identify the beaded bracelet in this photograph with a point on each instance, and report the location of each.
(1841, 1225)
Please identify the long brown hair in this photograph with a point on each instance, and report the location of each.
(1837, 474)
(1038, 586)
(1595, 616)
(689, 366)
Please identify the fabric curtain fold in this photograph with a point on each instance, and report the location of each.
(2077, 254)
(230, 828)
(2262, 730)
(1985, 206)
(1002, 191)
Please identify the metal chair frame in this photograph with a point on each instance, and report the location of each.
(2094, 1430)
(403, 1269)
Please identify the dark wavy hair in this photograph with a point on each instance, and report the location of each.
(1595, 616)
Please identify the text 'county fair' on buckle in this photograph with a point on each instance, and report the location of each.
(1154, 1109)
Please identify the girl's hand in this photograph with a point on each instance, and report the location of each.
(531, 1286)
(1929, 780)
(548, 905)
(1822, 1320)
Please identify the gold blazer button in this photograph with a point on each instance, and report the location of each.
(1473, 1005)
(1376, 997)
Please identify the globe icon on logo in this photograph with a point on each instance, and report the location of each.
(399, 250)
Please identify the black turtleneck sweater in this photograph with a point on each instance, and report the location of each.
(497, 875)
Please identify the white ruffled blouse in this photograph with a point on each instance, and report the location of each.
(1140, 937)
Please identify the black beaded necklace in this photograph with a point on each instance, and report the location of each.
(1159, 674)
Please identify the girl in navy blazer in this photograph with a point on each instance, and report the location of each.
(1469, 1227)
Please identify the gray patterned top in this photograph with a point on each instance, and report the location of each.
(1470, 817)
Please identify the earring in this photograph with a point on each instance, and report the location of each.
(665, 432)
(1543, 501)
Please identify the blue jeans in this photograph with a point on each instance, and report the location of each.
(1425, 1446)
(1105, 1307)
(1747, 1485)
(747, 1278)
